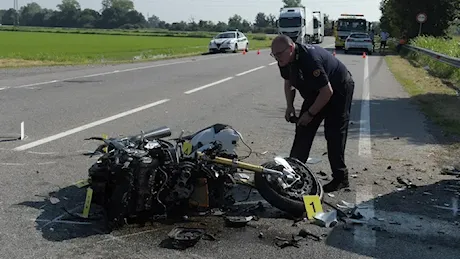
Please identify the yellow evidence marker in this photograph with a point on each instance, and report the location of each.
(187, 148)
(312, 205)
(104, 136)
(89, 197)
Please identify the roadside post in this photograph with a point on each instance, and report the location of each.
(421, 19)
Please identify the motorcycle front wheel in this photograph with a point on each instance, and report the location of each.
(289, 200)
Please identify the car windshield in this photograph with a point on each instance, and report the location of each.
(351, 25)
(359, 35)
(226, 35)
(290, 22)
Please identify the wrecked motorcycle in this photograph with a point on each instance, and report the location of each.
(144, 177)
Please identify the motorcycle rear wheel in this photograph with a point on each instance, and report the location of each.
(289, 203)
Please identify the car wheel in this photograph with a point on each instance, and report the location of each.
(247, 47)
(236, 48)
(346, 51)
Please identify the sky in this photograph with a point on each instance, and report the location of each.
(221, 10)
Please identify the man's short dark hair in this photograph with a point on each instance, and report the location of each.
(284, 39)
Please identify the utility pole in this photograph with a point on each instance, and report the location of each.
(16, 7)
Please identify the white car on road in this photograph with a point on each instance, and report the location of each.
(359, 42)
(230, 40)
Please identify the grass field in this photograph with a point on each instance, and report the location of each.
(44, 46)
(435, 90)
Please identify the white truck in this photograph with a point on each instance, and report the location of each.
(297, 23)
(318, 27)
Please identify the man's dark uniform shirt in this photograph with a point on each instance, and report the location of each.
(313, 67)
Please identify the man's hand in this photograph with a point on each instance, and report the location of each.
(305, 119)
(290, 111)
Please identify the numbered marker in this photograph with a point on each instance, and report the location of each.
(312, 205)
(82, 183)
(89, 197)
(104, 136)
(187, 148)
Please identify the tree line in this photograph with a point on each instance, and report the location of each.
(121, 14)
(399, 17)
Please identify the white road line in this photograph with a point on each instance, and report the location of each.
(207, 86)
(3, 88)
(120, 71)
(364, 236)
(249, 71)
(364, 148)
(87, 126)
(273, 63)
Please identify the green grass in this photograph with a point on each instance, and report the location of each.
(440, 45)
(100, 46)
(434, 89)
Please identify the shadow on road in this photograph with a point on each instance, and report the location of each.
(404, 220)
(62, 221)
(383, 118)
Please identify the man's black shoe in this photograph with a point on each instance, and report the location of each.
(336, 185)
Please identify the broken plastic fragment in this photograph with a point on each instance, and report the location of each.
(233, 221)
(54, 200)
(346, 205)
(327, 219)
(313, 160)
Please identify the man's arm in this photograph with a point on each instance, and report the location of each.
(322, 84)
(289, 92)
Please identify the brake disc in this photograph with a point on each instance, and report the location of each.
(306, 184)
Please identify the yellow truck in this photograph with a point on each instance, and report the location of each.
(347, 24)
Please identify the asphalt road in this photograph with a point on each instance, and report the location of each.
(62, 106)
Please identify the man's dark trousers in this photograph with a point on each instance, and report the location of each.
(336, 116)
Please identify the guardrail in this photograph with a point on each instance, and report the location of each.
(455, 62)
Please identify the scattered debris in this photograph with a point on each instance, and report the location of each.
(408, 183)
(346, 205)
(217, 212)
(261, 235)
(210, 237)
(389, 167)
(283, 242)
(305, 234)
(321, 173)
(182, 238)
(54, 200)
(394, 223)
(365, 169)
(331, 195)
(354, 176)
(313, 160)
(327, 219)
(450, 170)
(377, 228)
(356, 215)
(427, 193)
(396, 138)
(232, 221)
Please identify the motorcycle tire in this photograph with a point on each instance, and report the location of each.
(292, 206)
